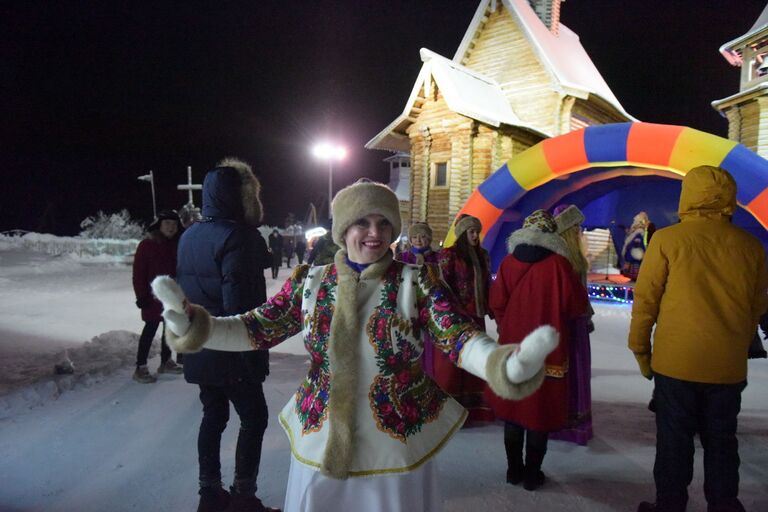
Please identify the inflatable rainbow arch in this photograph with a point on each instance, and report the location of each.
(656, 147)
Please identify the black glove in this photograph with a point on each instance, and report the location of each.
(143, 302)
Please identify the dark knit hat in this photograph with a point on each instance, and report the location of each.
(164, 215)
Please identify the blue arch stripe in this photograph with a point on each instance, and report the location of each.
(749, 170)
(501, 189)
(607, 143)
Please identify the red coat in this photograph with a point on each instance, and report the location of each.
(523, 297)
(155, 256)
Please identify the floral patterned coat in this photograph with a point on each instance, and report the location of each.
(400, 417)
(410, 257)
(460, 278)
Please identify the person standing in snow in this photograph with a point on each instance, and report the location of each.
(635, 244)
(465, 268)
(535, 285)
(301, 244)
(155, 256)
(221, 266)
(366, 422)
(703, 285)
(579, 426)
(276, 248)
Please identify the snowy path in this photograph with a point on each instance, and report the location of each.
(112, 444)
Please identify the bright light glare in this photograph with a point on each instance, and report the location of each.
(311, 233)
(327, 151)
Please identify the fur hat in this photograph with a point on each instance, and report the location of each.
(420, 228)
(362, 198)
(541, 220)
(568, 217)
(539, 229)
(164, 215)
(465, 223)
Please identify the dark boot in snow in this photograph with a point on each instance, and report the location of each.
(170, 367)
(673, 506)
(248, 503)
(143, 376)
(533, 477)
(213, 499)
(513, 445)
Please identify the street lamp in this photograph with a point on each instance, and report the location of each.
(330, 152)
(151, 179)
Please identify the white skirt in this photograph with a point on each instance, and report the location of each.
(311, 491)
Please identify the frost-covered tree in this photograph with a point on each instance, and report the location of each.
(118, 226)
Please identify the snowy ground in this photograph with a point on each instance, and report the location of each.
(98, 441)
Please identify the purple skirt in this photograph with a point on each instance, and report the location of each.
(579, 429)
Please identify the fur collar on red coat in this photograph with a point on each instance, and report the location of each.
(529, 236)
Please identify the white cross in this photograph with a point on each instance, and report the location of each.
(189, 186)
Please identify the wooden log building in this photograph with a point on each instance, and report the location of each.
(518, 76)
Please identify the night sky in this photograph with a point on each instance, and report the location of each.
(95, 94)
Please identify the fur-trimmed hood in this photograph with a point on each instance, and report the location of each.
(530, 236)
(232, 192)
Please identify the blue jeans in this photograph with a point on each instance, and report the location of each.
(251, 407)
(684, 409)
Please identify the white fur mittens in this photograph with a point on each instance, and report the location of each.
(170, 294)
(534, 349)
(186, 333)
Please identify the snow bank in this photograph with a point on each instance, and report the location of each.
(31, 380)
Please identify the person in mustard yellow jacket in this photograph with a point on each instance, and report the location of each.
(703, 284)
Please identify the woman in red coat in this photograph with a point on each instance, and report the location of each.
(465, 269)
(535, 285)
(155, 256)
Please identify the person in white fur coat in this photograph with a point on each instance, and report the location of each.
(366, 422)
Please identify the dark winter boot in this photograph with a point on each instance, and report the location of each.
(247, 503)
(732, 505)
(676, 506)
(513, 444)
(213, 499)
(533, 477)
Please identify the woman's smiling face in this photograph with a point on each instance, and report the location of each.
(368, 238)
(420, 241)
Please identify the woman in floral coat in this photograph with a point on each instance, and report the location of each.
(366, 422)
(465, 269)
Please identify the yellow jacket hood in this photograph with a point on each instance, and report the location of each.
(707, 192)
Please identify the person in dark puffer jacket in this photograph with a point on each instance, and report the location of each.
(221, 262)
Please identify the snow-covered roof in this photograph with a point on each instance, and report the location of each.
(466, 92)
(562, 55)
(731, 49)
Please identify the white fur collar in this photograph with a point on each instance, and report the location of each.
(529, 236)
